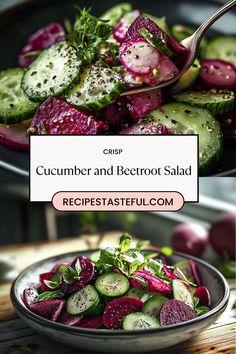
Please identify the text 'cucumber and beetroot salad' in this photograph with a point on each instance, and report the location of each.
(71, 78)
(120, 288)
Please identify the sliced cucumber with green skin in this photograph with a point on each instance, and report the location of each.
(53, 73)
(188, 78)
(116, 12)
(156, 42)
(137, 292)
(98, 87)
(150, 294)
(15, 106)
(95, 310)
(215, 101)
(221, 47)
(181, 293)
(181, 118)
(139, 320)
(153, 305)
(82, 301)
(112, 284)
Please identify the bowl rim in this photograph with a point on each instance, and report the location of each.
(107, 332)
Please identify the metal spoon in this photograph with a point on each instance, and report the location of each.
(192, 43)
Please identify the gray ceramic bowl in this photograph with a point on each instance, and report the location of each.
(118, 341)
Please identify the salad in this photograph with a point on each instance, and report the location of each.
(120, 288)
(71, 78)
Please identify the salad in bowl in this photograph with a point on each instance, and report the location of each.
(76, 79)
(127, 299)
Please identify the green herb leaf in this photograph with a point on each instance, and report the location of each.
(69, 274)
(133, 267)
(142, 281)
(48, 295)
(88, 33)
(148, 256)
(78, 267)
(201, 310)
(51, 284)
(125, 242)
(141, 244)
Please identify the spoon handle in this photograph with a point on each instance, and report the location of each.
(197, 36)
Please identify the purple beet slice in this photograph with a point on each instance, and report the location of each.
(56, 117)
(194, 269)
(29, 296)
(69, 320)
(154, 283)
(203, 295)
(15, 136)
(40, 40)
(91, 322)
(144, 22)
(145, 128)
(140, 104)
(175, 311)
(86, 276)
(45, 276)
(116, 114)
(117, 309)
(49, 309)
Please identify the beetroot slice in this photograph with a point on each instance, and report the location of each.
(29, 296)
(55, 116)
(143, 128)
(86, 276)
(203, 295)
(49, 309)
(154, 283)
(45, 276)
(40, 40)
(69, 320)
(169, 273)
(144, 22)
(91, 322)
(140, 104)
(116, 114)
(194, 269)
(14, 136)
(175, 311)
(117, 309)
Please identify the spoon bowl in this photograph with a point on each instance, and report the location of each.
(192, 44)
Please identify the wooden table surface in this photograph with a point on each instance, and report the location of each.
(219, 338)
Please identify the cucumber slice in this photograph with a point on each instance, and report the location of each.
(215, 101)
(182, 118)
(221, 47)
(98, 87)
(150, 294)
(112, 284)
(153, 305)
(138, 320)
(156, 42)
(82, 301)
(188, 78)
(116, 12)
(54, 72)
(182, 293)
(137, 292)
(14, 104)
